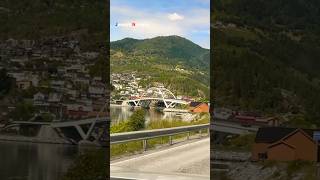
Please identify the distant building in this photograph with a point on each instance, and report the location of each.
(96, 91)
(24, 80)
(39, 98)
(251, 120)
(77, 111)
(57, 84)
(285, 144)
(54, 98)
(72, 93)
(23, 84)
(199, 107)
(117, 86)
(222, 113)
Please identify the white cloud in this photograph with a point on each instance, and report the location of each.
(147, 28)
(175, 17)
(149, 24)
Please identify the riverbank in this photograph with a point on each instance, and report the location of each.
(33, 139)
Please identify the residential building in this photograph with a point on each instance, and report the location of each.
(39, 98)
(77, 111)
(285, 144)
(23, 84)
(96, 91)
(54, 98)
(199, 107)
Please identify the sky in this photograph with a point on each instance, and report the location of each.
(152, 18)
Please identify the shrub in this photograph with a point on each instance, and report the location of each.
(137, 120)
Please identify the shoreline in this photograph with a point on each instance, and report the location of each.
(35, 140)
(12, 138)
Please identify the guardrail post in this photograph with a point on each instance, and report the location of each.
(200, 133)
(188, 135)
(144, 144)
(170, 140)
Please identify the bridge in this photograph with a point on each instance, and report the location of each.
(156, 94)
(72, 130)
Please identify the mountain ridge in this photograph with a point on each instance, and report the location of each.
(169, 47)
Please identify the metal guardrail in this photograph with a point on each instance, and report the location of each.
(234, 126)
(149, 134)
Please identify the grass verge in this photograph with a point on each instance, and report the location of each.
(137, 146)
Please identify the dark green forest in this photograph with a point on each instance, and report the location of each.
(37, 19)
(266, 56)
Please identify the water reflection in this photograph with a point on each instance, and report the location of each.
(30, 161)
(120, 113)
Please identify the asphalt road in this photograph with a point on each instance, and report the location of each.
(179, 162)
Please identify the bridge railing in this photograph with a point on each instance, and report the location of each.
(150, 134)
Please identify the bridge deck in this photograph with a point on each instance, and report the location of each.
(63, 123)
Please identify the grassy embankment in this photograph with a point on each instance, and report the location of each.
(136, 122)
(237, 143)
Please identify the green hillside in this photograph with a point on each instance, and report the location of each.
(160, 58)
(266, 56)
(174, 48)
(38, 19)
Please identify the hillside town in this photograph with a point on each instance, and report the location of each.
(131, 86)
(126, 85)
(51, 76)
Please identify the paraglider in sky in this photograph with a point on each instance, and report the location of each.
(132, 24)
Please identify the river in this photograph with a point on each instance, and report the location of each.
(42, 161)
(120, 113)
(35, 161)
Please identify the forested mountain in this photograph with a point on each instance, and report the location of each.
(38, 19)
(266, 56)
(180, 64)
(273, 14)
(172, 49)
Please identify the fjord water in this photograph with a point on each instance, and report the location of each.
(35, 161)
(120, 113)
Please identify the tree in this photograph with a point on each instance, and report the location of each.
(137, 120)
(89, 165)
(6, 82)
(24, 112)
(100, 69)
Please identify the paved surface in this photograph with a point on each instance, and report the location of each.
(187, 161)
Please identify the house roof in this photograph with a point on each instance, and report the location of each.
(281, 142)
(195, 104)
(273, 134)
